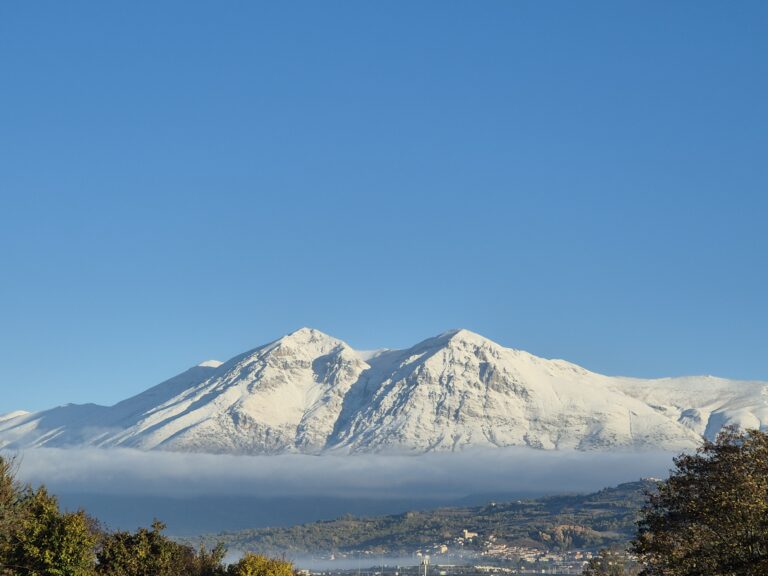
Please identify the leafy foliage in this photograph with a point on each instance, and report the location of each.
(9, 507)
(208, 562)
(150, 553)
(711, 515)
(43, 541)
(258, 565)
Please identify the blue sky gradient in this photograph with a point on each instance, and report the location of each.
(186, 180)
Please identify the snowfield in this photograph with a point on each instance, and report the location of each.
(311, 393)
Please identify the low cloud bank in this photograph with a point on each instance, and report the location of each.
(435, 475)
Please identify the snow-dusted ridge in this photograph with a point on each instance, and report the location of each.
(311, 393)
(14, 414)
(210, 364)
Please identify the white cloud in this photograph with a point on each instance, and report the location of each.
(444, 475)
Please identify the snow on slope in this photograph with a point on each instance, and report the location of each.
(14, 414)
(460, 390)
(285, 395)
(308, 392)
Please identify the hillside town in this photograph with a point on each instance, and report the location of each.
(464, 555)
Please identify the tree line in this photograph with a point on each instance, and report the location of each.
(37, 538)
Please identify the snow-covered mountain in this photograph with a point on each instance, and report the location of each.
(311, 393)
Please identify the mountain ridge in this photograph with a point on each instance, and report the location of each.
(309, 392)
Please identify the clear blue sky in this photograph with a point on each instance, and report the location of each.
(186, 180)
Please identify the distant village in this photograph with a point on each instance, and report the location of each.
(466, 555)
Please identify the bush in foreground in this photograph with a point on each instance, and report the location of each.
(258, 565)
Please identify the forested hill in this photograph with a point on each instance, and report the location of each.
(555, 523)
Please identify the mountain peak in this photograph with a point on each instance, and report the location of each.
(306, 335)
(304, 330)
(307, 342)
(462, 335)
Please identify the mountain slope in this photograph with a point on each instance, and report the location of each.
(460, 390)
(308, 392)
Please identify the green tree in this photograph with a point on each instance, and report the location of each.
(10, 496)
(208, 562)
(258, 565)
(143, 553)
(710, 517)
(47, 542)
(151, 553)
(611, 563)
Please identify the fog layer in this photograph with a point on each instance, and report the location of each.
(433, 475)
